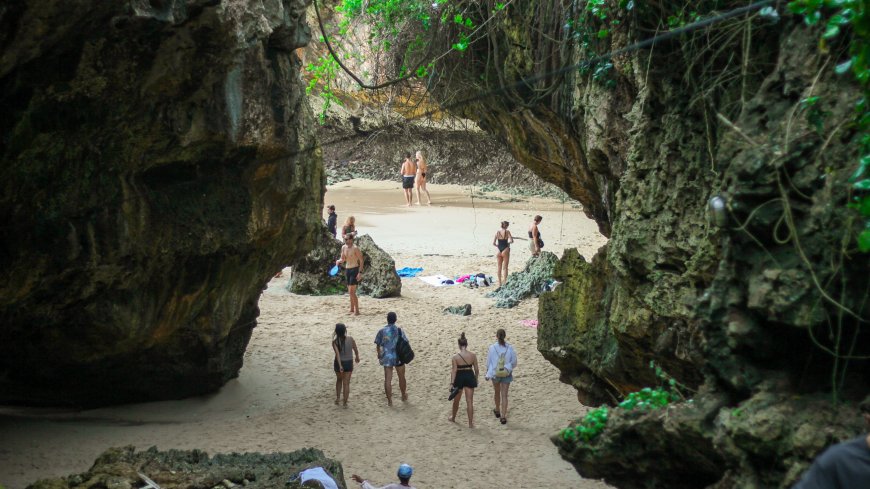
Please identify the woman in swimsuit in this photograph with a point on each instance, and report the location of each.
(345, 350)
(422, 167)
(535, 241)
(349, 228)
(502, 241)
(464, 376)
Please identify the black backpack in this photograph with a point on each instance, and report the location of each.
(403, 349)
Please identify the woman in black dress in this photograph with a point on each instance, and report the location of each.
(464, 377)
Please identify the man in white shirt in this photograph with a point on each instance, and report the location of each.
(404, 473)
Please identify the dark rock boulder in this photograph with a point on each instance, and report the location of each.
(535, 278)
(119, 468)
(379, 273)
(310, 274)
(458, 310)
(158, 166)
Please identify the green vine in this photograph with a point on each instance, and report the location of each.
(837, 17)
(322, 77)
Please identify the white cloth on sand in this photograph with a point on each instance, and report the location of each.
(435, 280)
(320, 475)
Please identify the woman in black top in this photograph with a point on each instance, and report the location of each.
(502, 241)
(463, 376)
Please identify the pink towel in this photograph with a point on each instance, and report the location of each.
(532, 323)
(463, 278)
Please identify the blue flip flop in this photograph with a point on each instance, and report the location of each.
(333, 271)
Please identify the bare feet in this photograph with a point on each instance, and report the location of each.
(336, 401)
(344, 404)
(451, 419)
(471, 425)
(389, 401)
(356, 313)
(404, 397)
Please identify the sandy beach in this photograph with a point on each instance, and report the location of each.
(283, 398)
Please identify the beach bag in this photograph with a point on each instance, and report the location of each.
(500, 371)
(403, 349)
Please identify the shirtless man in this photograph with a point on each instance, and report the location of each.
(352, 257)
(409, 170)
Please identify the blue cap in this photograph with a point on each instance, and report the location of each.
(405, 471)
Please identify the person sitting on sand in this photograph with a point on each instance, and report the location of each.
(463, 376)
(385, 342)
(349, 228)
(404, 474)
(535, 241)
(500, 363)
(422, 167)
(409, 171)
(502, 241)
(352, 257)
(345, 349)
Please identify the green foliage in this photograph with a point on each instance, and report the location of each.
(642, 401)
(837, 17)
(323, 74)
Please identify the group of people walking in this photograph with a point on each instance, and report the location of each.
(501, 360)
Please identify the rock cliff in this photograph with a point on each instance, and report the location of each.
(158, 166)
(764, 301)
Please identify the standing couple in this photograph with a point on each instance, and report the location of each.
(414, 171)
(500, 363)
(386, 341)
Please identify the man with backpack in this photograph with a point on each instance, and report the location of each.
(394, 351)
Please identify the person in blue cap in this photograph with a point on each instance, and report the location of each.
(405, 472)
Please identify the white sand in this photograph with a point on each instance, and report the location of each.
(283, 398)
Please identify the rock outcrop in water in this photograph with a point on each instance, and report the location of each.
(765, 304)
(158, 166)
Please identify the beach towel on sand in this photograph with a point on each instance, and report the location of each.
(437, 280)
(409, 272)
(317, 474)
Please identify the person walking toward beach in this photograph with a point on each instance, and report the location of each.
(409, 171)
(422, 167)
(349, 228)
(385, 344)
(502, 241)
(535, 241)
(404, 474)
(331, 219)
(500, 363)
(352, 257)
(345, 350)
(463, 376)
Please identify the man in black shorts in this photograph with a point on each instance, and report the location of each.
(409, 170)
(352, 257)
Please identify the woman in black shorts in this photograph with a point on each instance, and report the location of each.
(345, 350)
(464, 376)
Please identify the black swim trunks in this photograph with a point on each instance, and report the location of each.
(407, 182)
(350, 275)
(347, 365)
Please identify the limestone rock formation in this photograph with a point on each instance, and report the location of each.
(310, 274)
(379, 273)
(119, 468)
(158, 166)
(765, 305)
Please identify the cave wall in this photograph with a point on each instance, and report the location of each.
(158, 166)
(759, 310)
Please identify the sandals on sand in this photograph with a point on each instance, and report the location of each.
(497, 414)
(503, 420)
